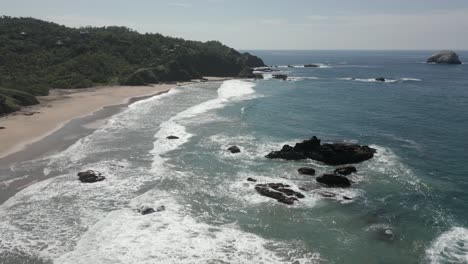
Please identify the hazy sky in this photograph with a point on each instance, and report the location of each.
(272, 24)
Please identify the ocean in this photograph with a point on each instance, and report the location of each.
(408, 204)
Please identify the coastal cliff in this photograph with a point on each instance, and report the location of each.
(36, 55)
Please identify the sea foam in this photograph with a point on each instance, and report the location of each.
(173, 236)
(449, 247)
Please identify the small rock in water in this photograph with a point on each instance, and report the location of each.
(279, 192)
(347, 197)
(172, 137)
(2, 127)
(234, 149)
(144, 210)
(380, 79)
(280, 76)
(161, 208)
(311, 66)
(327, 194)
(345, 170)
(332, 180)
(306, 171)
(385, 235)
(251, 179)
(90, 176)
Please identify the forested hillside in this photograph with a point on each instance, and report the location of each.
(36, 56)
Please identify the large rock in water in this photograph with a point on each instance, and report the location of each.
(331, 154)
(445, 56)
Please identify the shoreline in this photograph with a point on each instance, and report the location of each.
(70, 131)
(34, 123)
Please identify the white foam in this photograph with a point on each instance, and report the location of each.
(173, 236)
(373, 80)
(410, 80)
(295, 79)
(450, 247)
(235, 88)
(229, 91)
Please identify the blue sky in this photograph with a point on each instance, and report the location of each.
(293, 24)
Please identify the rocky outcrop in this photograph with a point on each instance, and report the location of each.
(172, 137)
(380, 79)
(90, 176)
(348, 170)
(248, 73)
(444, 57)
(280, 192)
(332, 180)
(311, 66)
(331, 154)
(306, 171)
(251, 179)
(280, 76)
(234, 149)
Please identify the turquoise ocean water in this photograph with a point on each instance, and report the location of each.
(409, 203)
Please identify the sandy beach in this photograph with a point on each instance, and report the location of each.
(33, 123)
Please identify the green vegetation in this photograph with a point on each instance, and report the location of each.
(36, 55)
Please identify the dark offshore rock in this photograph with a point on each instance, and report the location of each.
(251, 179)
(279, 192)
(90, 176)
(280, 76)
(248, 73)
(331, 154)
(311, 66)
(172, 137)
(144, 210)
(332, 180)
(380, 79)
(1, 127)
(306, 171)
(234, 149)
(444, 57)
(348, 170)
(287, 153)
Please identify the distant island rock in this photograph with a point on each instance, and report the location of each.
(444, 57)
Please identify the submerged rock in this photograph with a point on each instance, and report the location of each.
(90, 176)
(331, 154)
(306, 171)
(444, 57)
(144, 210)
(280, 192)
(234, 149)
(380, 79)
(280, 76)
(172, 137)
(332, 180)
(348, 170)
